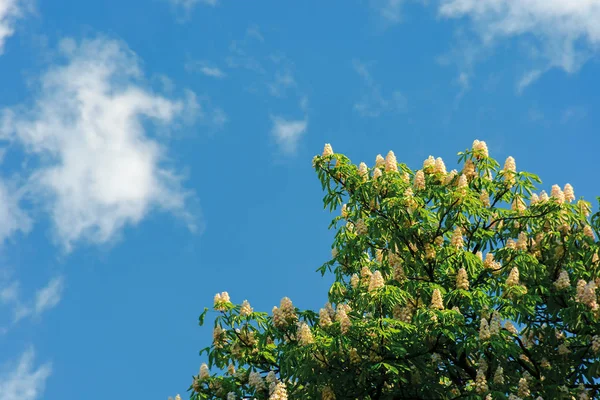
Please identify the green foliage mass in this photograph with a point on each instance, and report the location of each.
(459, 285)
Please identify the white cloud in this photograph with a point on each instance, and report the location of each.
(566, 32)
(22, 380)
(99, 168)
(373, 103)
(12, 218)
(10, 11)
(287, 132)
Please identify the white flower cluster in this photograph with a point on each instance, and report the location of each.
(586, 294)
(284, 315)
(563, 281)
(376, 281)
(462, 280)
(221, 301)
(305, 336)
(245, 309)
(436, 300)
(509, 171)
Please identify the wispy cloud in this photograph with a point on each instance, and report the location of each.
(573, 114)
(23, 380)
(87, 126)
(287, 132)
(12, 217)
(389, 10)
(205, 68)
(566, 33)
(527, 79)
(10, 11)
(373, 103)
(45, 299)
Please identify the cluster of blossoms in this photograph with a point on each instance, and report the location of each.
(222, 301)
(433, 269)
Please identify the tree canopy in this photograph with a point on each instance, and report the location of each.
(448, 285)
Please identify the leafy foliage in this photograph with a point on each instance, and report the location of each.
(447, 286)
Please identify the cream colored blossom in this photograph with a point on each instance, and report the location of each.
(365, 274)
(376, 173)
(481, 385)
(305, 336)
(419, 180)
(324, 318)
(256, 381)
(596, 344)
(484, 330)
(219, 336)
(563, 281)
(399, 274)
(569, 193)
(279, 393)
(545, 363)
(557, 194)
(363, 171)
(462, 280)
(327, 393)
(513, 277)
(379, 161)
(403, 314)
(343, 319)
(522, 241)
(278, 318)
(429, 165)
(361, 227)
(510, 244)
(511, 328)
(376, 281)
(221, 301)
(231, 369)
(440, 167)
(391, 164)
(543, 196)
(450, 177)
(509, 171)
(463, 184)
(480, 149)
(436, 300)
(334, 253)
(495, 324)
(518, 204)
(327, 150)
(354, 356)
(534, 199)
(563, 349)
(354, 281)
(271, 379)
(204, 374)
(457, 238)
(484, 197)
(523, 390)
(231, 396)
(587, 231)
(469, 169)
(245, 309)
(499, 376)
(584, 207)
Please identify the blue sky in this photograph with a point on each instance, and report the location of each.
(155, 152)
